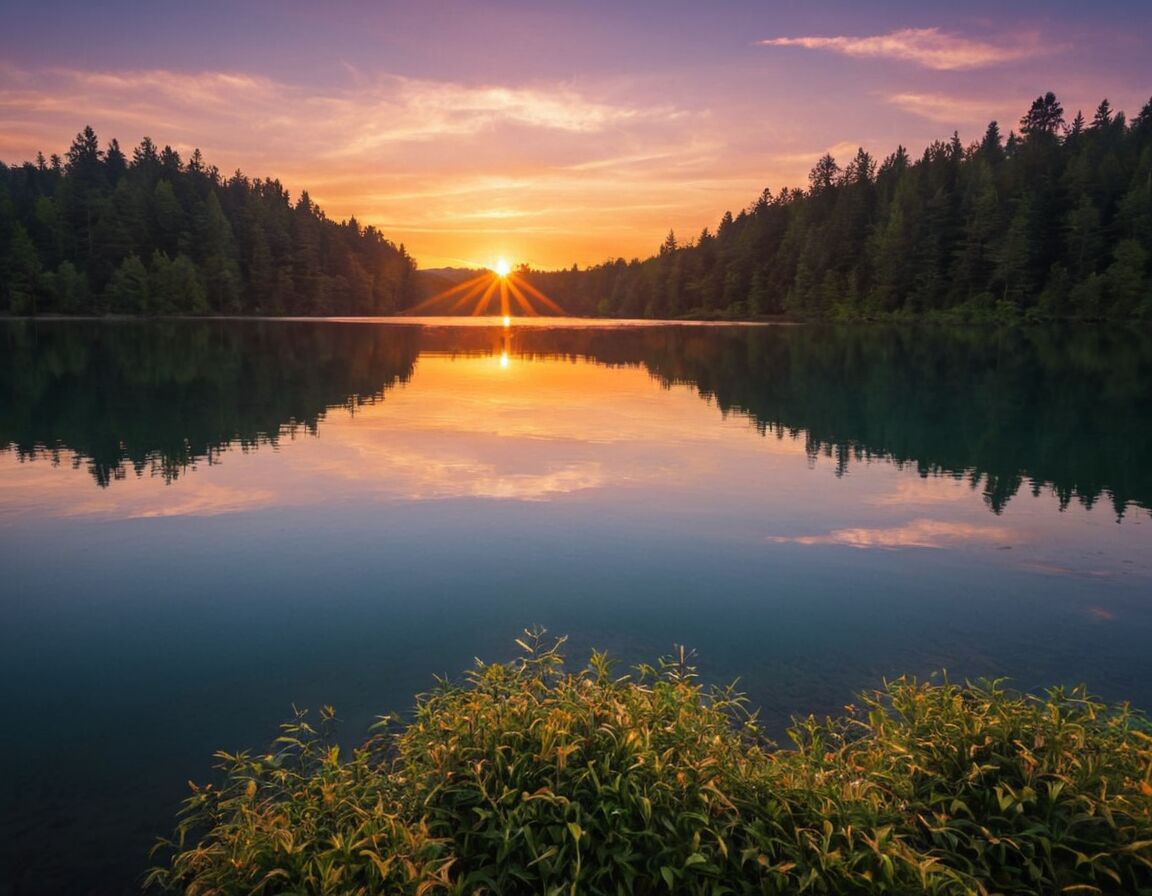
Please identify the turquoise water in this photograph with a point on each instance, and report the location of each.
(203, 523)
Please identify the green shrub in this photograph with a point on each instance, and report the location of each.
(532, 779)
(1024, 794)
(303, 820)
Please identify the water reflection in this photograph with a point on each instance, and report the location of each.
(1065, 410)
(917, 533)
(202, 523)
(160, 397)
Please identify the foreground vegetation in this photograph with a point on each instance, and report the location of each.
(531, 778)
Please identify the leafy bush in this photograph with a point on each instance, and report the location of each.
(533, 779)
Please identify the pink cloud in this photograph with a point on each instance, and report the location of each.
(929, 47)
(957, 110)
(920, 533)
(456, 171)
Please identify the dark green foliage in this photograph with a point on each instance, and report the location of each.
(1044, 117)
(161, 397)
(533, 779)
(1021, 794)
(207, 243)
(24, 282)
(1026, 228)
(127, 292)
(175, 285)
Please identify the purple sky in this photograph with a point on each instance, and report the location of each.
(552, 133)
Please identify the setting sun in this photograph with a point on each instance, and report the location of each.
(496, 290)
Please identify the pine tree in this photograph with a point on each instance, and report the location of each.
(824, 175)
(1103, 117)
(1044, 118)
(127, 292)
(24, 274)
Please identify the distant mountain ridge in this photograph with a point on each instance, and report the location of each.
(454, 275)
(429, 283)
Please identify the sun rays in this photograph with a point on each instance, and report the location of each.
(501, 291)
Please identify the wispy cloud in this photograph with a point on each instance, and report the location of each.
(404, 110)
(927, 491)
(954, 110)
(420, 157)
(921, 533)
(390, 109)
(929, 47)
(558, 107)
(845, 149)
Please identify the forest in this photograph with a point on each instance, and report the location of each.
(1052, 222)
(101, 232)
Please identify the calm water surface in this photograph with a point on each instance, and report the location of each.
(202, 523)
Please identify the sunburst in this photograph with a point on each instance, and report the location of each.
(500, 287)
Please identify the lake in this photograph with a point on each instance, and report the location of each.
(204, 523)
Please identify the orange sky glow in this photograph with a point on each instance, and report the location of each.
(548, 134)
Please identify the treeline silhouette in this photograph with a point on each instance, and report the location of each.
(1053, 222)
(99, 231)
(1063, 409)
(158, 398)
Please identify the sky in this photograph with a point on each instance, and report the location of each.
(549, 133)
